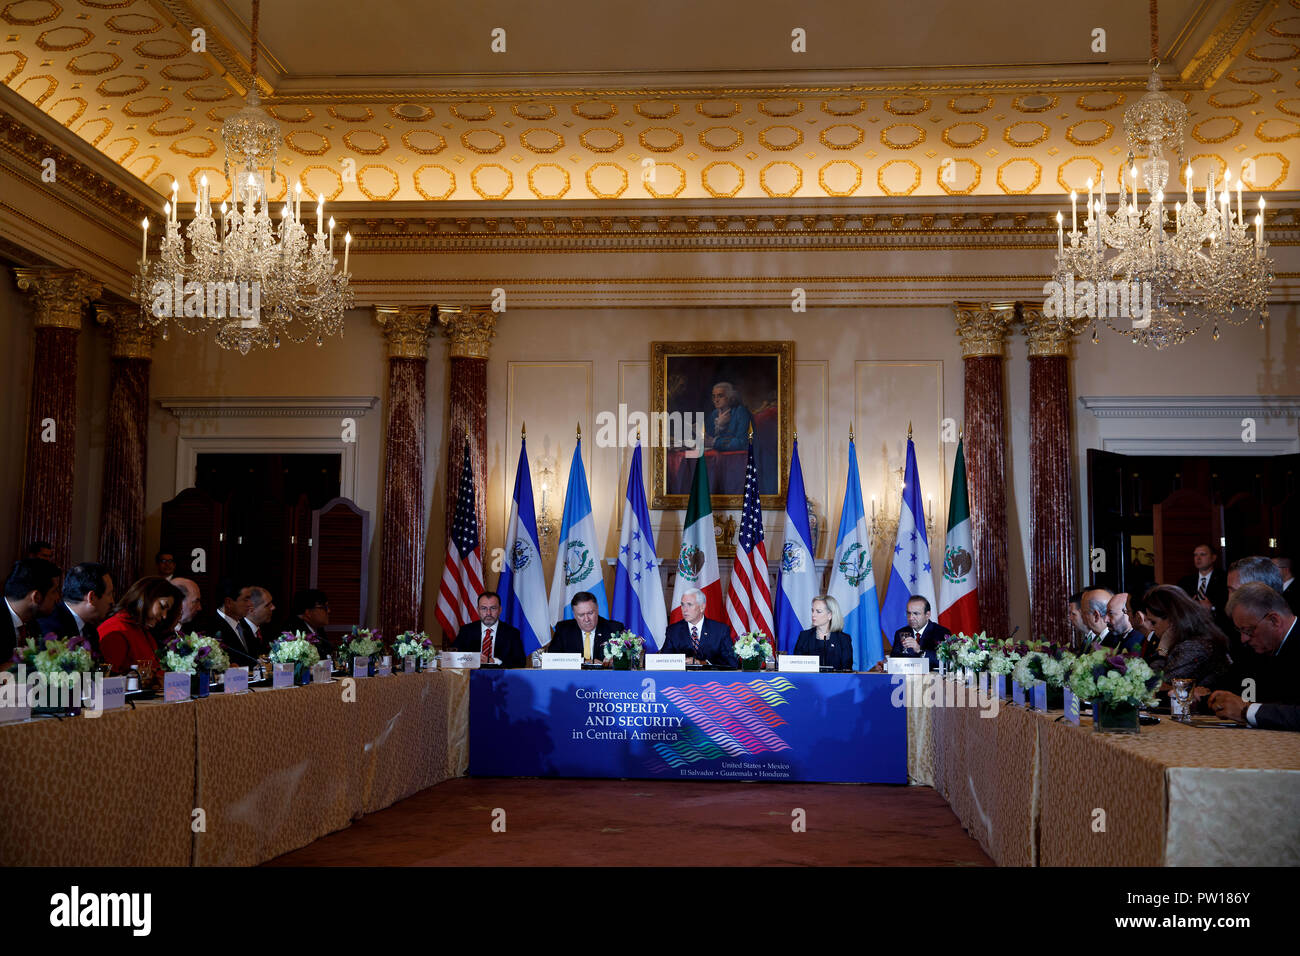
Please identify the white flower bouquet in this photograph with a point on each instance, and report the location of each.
(191, 653)
(415, 644)
(294, 648)
(949, 648)
(623, 649)
(1004, 656)
(753, 645)
(974, 652)
(1114, 679)
(362, 643)
(61, 661)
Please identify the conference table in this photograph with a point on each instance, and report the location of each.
(226, 780)
(1036, 790)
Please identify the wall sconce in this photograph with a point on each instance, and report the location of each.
(546, 528)
(884, 521)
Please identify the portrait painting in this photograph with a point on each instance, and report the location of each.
(709, 395)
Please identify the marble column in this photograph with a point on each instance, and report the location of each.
(469, 337)
(401, 563)
(58, 298)
(121, 524)
(983, 329)
(1053, 543)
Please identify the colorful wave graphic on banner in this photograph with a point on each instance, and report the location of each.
(728, 720)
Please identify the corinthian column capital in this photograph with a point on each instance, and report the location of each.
(983, 327)
(132, 337)
(1050, 334)
(58, 295)
(406, 329)
(469, 331)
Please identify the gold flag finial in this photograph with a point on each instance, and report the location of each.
(579, 431)
(961, 432)
(850, 431)
(523, 430)
(794, 435)
(638, 433)
(751, 430)
(909, 431)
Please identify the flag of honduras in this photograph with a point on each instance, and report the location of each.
(853, 583)
(522, 584)
(798, 583)
(911, 572)
(638, 589)
(577, 561)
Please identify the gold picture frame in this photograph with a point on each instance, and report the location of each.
(684, 377)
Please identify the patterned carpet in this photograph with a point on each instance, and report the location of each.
(651, 823)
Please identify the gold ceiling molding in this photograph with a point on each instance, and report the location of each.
(1226, 42)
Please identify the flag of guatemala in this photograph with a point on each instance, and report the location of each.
(638, 589)
(578, 559)
(798, 577)
(911, 572)
(522, 584)
(853, 583)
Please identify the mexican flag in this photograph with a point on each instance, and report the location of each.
(958, 606)
(697, 561)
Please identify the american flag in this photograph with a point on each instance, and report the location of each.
(749, 600)
(462, 575)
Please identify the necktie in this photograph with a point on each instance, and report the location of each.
(695, 637)
(487, 643)
(246, 636)
(586, 645)
(22, 635)
(1200, 590)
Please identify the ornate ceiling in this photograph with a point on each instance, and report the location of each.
(950, 112)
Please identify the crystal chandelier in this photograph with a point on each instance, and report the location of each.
(248, 278)
(1169, 270)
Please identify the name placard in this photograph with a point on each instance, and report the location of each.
(799, 663)
(360, 667)
(321, 673)
(907, 665)
(665, 662)
(1017, 694)
(1071, 707)
(176, 687)
(408, 664)
(113, 695)
(561, 662)
(282, 675)
(384, 668)
(236, 680)
(1040, 696)
(458, 660)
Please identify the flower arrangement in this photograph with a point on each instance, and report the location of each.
(295, 648)
(413, 644)
(623, 648)
(59, 660)
(972, 652)
(1005, 654)
(753, 645)
(1114, 679)
(362, 642)
(191, 653)
(1043, 663)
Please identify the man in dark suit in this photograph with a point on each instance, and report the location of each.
(260, 611)
(496, 641)
(311, 616)
(1289, 591)
(228, 625)
(1207, 586)
(1267, 628)
(701, 639)
(587, 632)
(31, 592)
(1229, 706)
(922, 636)
(87, 599)
(1121, 635)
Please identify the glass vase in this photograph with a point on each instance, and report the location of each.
(1114, 718)
(622, 663)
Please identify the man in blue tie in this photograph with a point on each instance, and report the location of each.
(702, 640)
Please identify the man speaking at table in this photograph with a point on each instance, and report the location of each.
(494, 639)
(921, 637)
(587, 633)
(702, 640)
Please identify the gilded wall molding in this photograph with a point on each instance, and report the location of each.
(58, 295)
(469, 332)
(983, 327)
(406, 329)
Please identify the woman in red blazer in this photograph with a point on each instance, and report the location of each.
(126, 638)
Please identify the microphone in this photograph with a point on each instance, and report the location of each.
(1013, 633)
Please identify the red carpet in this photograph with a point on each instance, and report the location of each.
(651, 823)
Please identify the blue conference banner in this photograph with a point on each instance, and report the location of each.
(693, 725)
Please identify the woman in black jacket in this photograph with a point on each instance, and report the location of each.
(826, 638)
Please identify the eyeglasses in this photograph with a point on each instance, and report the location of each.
(1249, 630)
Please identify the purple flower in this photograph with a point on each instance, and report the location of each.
(205, 650)
(1118, 663)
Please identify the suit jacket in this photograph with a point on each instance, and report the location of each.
(568, 637)
(124, 642)
(1216, 590)
(1276, 676)
(836, 651)
(1292, 596)
(507, 642)
(1130, 643)
(716, 643)
(62, 624)
(8, 636)
(930, 638)
(214, 625)
(1278, 716)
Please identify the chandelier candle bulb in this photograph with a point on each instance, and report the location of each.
(330, 247)
(1189, 184)
(297, 203)
(1241, 220)
(1060, 234)
(1074, 212)
(144, 240)
(320, 213)
(347, 244)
